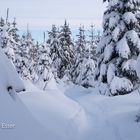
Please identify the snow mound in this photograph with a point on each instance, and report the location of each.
(8, 75)
(22, 124)
(60, 115)
(13, 112)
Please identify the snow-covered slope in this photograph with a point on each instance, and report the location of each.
(111, 118)
(16, 122)
(26, 127)
(8, 75)
(63, 112)
(75, 113)
(61, 115)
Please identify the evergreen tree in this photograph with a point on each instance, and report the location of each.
(53, 43)
(83, 68)
(7, 42)
(25, 57)
(93, 41)
(44, 65)
(119, 46)
(35, 58)
(65, 50)
(14, 31)
(81, 43)
(22, 61)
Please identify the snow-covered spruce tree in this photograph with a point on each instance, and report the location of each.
(79, 55)
(53, 43)
(65, 50)
(93, 41)
(82, 71)
(15, 39)
(25, 59)
(31, 47)
(44, 64)
(119, 46)
(14, 31)
(22, 59)
(7, 42)
(35, 54)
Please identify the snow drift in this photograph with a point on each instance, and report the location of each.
(13, 112)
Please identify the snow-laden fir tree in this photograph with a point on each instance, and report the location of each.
(119, 46)
(31, 55)
(16, 39)
(14, 31)
(7, 41)
(94, 38)
(53, 43)
(44, 65)
(65, 50)
(35, 57)
(25, 57)
(82, 71)
(79, 54)
(22, 61)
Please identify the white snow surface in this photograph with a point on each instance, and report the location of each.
(74, 113)
(8, 74)
(65, 112)
(12, 110)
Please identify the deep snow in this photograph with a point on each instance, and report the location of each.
(12, 110)
(63, 111)
(74, 113)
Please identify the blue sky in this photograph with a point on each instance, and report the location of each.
(41, 14)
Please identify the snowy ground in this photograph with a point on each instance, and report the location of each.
(75, 113)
